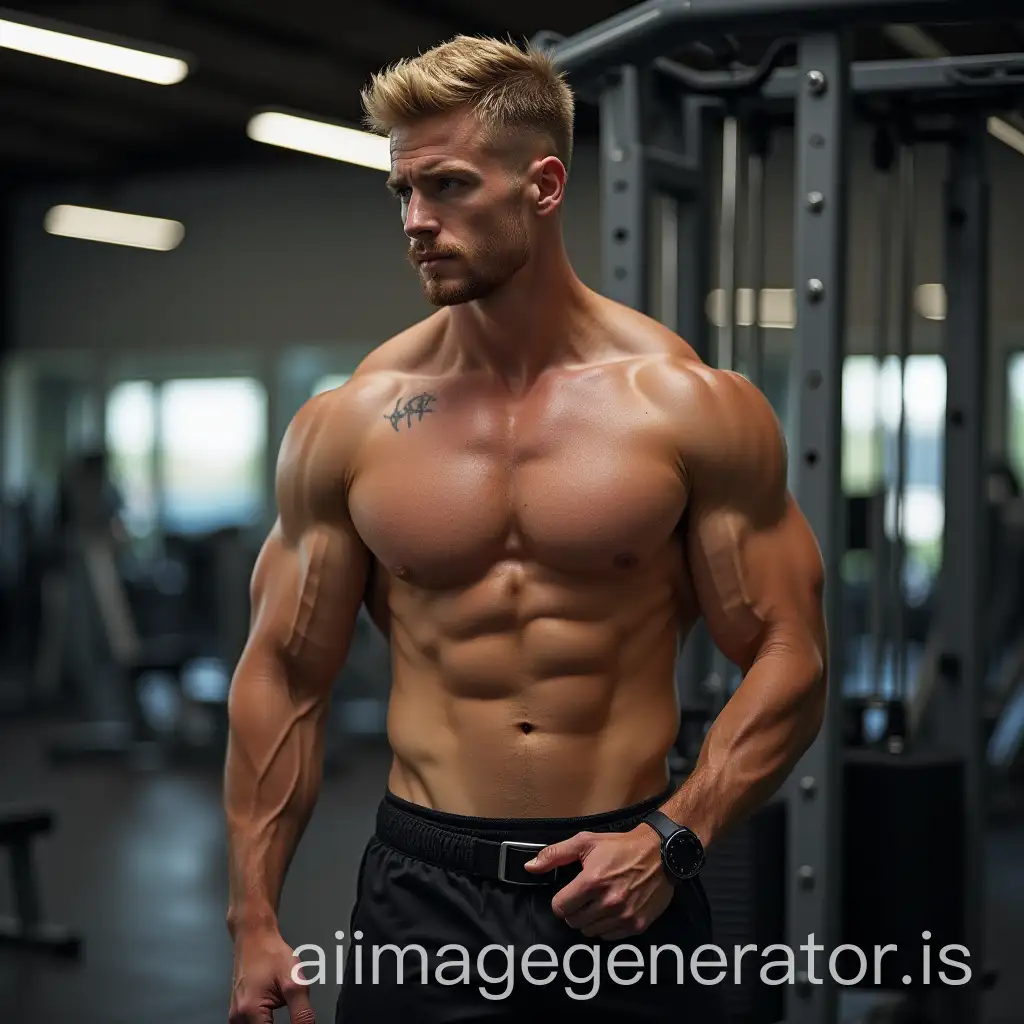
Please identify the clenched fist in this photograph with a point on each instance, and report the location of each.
(265, 980)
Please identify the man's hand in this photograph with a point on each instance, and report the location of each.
(265, 973)
(622, 888)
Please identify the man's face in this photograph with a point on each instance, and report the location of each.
(463, 209)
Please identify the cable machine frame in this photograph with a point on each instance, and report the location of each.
(659, 123)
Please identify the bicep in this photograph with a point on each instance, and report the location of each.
(306, 594)
(758, 577)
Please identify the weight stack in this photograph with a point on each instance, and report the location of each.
(904, 867)
(744, 879)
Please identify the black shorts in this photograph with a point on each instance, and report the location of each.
(444, 930)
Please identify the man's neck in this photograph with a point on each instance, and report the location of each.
(531, 324)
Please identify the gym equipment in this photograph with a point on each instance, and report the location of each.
(879, 718)
(648, 149)
(142, 669)
(1003, 658)
(19, 600)
(1004, 731)
(108, 655)
(759, 136)
(903, 265)
(19, 828)
(1005, 749)
(884, 157)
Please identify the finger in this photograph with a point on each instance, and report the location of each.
(299, 1008)
(597, 910)
(579, 893)
(606, 928)
(248, 1011)
(627, 924)
(614, 926)
(560, 854)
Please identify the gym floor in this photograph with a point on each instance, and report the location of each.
(136, 865)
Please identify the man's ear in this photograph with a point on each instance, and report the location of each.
(549, 178)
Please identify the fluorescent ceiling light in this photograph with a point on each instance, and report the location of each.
(114, 228)
(1006, 133)
(321, 139)
(90, 53)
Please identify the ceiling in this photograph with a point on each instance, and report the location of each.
(310, 56)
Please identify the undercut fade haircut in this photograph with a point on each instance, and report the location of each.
(514, 92)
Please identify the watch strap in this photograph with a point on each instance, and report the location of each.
(662, 824)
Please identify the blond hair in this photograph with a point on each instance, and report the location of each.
(513, 91)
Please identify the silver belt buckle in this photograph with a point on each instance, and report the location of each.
(503, 860)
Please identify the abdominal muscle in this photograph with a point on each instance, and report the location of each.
(533, 699)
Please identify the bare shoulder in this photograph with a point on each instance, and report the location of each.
(320, 453)
(638, 335)
(717, 418)
(709, 409)
(721, 408)
(346, 412)
(407, 352)
(728, 438)
(313, 462)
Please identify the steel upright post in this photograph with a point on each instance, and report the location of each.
(728, 241)
(693, 230)
(957, 716)
(755, 261)
(813, 791)
(625, 198)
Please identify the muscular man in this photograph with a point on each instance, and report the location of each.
(535, 492)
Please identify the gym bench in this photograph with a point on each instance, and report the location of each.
(27, 930)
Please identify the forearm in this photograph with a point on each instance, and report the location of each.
(753, 745)
(272, 780)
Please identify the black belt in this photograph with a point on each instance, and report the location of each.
(499, 860)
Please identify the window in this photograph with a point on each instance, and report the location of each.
(862, 454)
(129, 439)
(871, 411)
(213, 439)
(188, 455)
(1015, 414)
(925, 398)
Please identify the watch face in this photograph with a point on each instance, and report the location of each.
(684, 855)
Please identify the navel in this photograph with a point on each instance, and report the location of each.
(626, 560)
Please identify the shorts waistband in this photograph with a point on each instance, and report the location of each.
(493, 848)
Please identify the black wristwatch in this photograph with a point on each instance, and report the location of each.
(682, 853)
